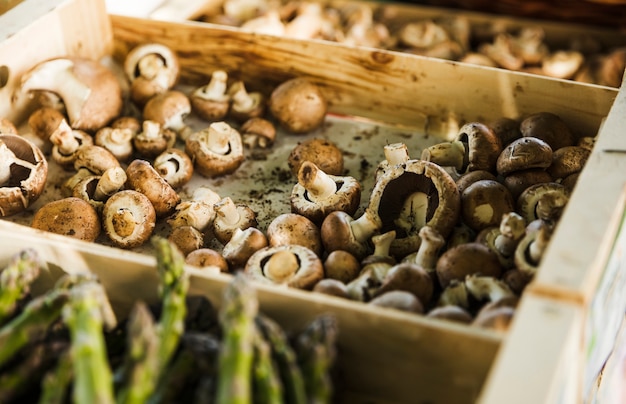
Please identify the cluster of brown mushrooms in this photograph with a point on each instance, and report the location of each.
(452, 37)
(455, 234)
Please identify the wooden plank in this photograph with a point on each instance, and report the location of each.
(180, 10)
(37, 30)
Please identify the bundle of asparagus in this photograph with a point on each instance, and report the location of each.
(67, 346)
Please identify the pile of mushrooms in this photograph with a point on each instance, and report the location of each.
(450, 37)
(457, 233)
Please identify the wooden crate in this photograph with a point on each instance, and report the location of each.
(386, 356)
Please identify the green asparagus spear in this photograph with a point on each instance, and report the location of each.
(56, 382)
(267, 386)
(141, 357)
(316, 351)
(83, 315)
(15, 281)
(32, 323)
(173, 288)
(286, 360)
(239, 307)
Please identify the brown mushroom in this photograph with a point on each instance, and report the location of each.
(484, 203)
(298, 105)
(471, 177)
(198, 211)
(211, 102)
(342, 266)
(518, 181)
(523, 154)
(91, 92)
(23, 174)
(128, 219)
(374, 268)
(341, 232)
(245, 105)
(321, 152)
(529, 251)
(504, 239)
(548, 127)
(290, 265)
(507, 129)
(153, 139)
(242, 245)
(118, 141)
(71, 217)
(186, 238)
(292, 228)
(258, 132)
(466, 259)
(151, 69)
(206, 258)
(169, 109)
(395, 153)
(399, 300)
(216, 150)
(144, 178)
(543, 201)
(229, 217)
(43, 121)
(175, 166)
(410, 278)
(450, 313)
(332, 287)
(568, 160)
(65, 144)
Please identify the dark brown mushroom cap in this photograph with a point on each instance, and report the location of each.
(399, 300)
(261, 130)
(27, 181)
(309, 272)
(518, 181)
(467, 259)
(482, 146)
(484, 203)
(544, 201)
(293, 228)
(506, 129)
(337, 234)
(471, 177)
(568, 160)
(73, 217)
(548, 127)
(323, 153)
(497, 319)
(143, 177)
(298, 105)
(128, 218)
(451, 313)
(410, 278)
(395, 188)
(332, 287)
(523, 154)
(342, 266)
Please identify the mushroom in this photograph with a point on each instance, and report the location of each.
(409, 196)
(502, 51)
(471, 177)
(504, 239)
(245, 105)
(96, 189)
(127, 122)
(242, 245)
(116, 140)
(422, 34)
(562, 64)
(476, 147)
(516, 280)
(332, 287)
(198, 211)
(258, 132)
(484, 203)
(543, 201)
(466, 259)
(292, 228)
(153, 139)
(169, 109)
(410, 278)
(175, 166)
(341, 232)
(399, 300)
(7, 127)
(568, 160)
(152, 69)
(506, 129)
(216, 150)
(290, 265)
(23, 174)
(73, 217)
(524, 154)
(211, 102)
(518, 181)
(488, 288)
(530, 249)
(395, 153)
(66, 142)
(90, 92)
(321, 152)
(128, 218)
(269, 23)
(95, 159)
(143, 177)
(298, 105)
(455, 294)
(307, 23)
(186, 238)
(207, 258)
(450, 313)
(230, 217)
(342, 266)
(317, 194)
(43, 122)
(428, 251)
(548, 127)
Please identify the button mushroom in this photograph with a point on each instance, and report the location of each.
(530, 249)
(341, 232)
(43, 121)
(143, 177)
(321, 152)
(466, 259)
(152, 69)
(71, 217)
(169, 109)
(543, 201)
(290, 265)
(216, 150)
(66, 142)
(23, 174)
(229, 217)
(186, 238)
(128, 219)
(153, 139)
(198, 211)
(484, 203)
(118, 141)
(207, 258)
(298, 105)
(211, 101)
(245, 105)
(292, 228)
(242, 245)
(90, 92)
(503, 239)
(317, 194)
(258, 132)
(524, 154)
(175, 166)
(548, 127)
(342, 266)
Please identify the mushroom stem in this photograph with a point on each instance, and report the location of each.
(111, 181)
(455, 294)
(431, 242)
(512, 229)
(280, 266)
(413, 213)
(550, 206)
(151, 130)
(216, 88)
(318, 184)
(123, 222)
(218, 137)
(539, 244)
(57, 77)
(382, 243)
(396, 153)
(487, 287)
(7, 157)
(447, 154)
(150, 65)
(64, 139)
(365, 226)
(227, 210)
(240, 96)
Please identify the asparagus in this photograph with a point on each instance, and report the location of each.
(239, 307)
(316, 351)
(15, 281)
(286, 360)
(174, 283)
(55, 384)
(84, 317)
(141, 357)
(267, 387)
(32, 323)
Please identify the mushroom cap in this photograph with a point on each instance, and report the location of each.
(298, 105)
(168, 108)
(395, 189)
(342, 266)
(175, 166)
(467, 259)
(207, 257)
(337, 234)
(484, 203)
(73, 217)
(94, 158)
(333, 287)
(44, 120)
(411, 278)
(309, 272)
(242, 245)
(322, 152)
(471, 177)
(482, 145)
(549, 193)
(568, 160)
(209, 109)
(143, 88)
(507, 129)
(211, 162)
(261, 130)
(548, 127)
(518, 181)
(144, 178)
(186, 238)
(293, 228)
(523, 154)
(100, 97)
(223, 230)
(399, 300)
(451, 313)
(27, 181)
(128, 218)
